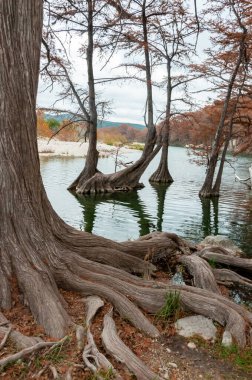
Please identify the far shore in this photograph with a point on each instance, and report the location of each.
(75, 149)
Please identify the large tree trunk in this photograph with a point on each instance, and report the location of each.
(41, 252)
(127, 179)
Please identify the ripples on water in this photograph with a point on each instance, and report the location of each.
(176, 208)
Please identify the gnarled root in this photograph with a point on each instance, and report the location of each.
(20, 340)
(201, 271)
(105, 183)
(228, 278)
(209, 253)
(92, 357)
(115, 347)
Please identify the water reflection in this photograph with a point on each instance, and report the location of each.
(160, 190)
(176, 208)
(210, 220)
(130, 201)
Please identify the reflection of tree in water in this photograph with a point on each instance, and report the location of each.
(160, 190)
(130, 200)
(210, 210)
(241, 232)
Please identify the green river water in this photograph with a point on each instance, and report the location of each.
(175, 208)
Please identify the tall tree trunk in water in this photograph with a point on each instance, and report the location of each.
(37, 249)
(208, 190)
(216, 188)
(128, 179)
(162, 174)
(90, 167)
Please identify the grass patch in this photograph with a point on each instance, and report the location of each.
(57, 354)
(242, 358)
(171, 306)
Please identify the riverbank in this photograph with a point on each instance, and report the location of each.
(56, 147)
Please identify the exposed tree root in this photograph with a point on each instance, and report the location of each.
(227, 259)
(6, 336)
(20, 340)
(28, 351)
(228, 278)
(126, 292)
(201, 271)
(124, 306)
(115, 347)
(201, 301)
(92, 357)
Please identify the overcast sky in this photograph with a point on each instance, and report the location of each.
(127, 98)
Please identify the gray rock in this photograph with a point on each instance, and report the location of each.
(223, 242)
(227, 339)
(196, 325)
(191, 345)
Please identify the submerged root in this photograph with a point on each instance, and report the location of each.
(106, 183)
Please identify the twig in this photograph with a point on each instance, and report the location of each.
(28, 351)
(54, 372)
(240, 179)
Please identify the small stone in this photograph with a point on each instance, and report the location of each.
(226, 339)
(168, 350)
(191, 345)
(166, 375)
(173, 365)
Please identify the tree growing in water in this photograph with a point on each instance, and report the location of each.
(136, 36)
(229, 67)
(170, 34)
(42, 253)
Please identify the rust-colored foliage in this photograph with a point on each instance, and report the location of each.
(43, 129)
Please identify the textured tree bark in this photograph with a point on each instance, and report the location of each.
(115, 347)
(201, 271)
